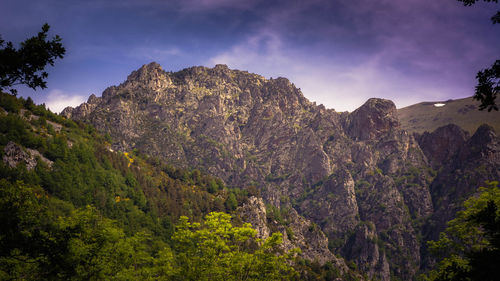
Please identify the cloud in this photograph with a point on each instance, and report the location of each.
(57, 100)
(202, 5)
(157, 53)
(336, 82)
(340, 54)
(187, 6)
(265, 53)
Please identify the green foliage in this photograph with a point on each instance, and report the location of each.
(26, 64)
(470, 247)
(95, 247)
(276, 214)
(37, 243)
(18, 213)
(231, 202)
(13, 128)
(216, 250)
(196, 177)
(10, 103)
(276, 178)
(44, 240)
(312, 270)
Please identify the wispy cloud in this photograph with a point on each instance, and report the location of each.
(350, 51)
(156, 53)
(57, 100)
(189, 6)
(333, 81)
(202, 5)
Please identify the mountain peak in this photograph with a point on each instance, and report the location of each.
(151, 75)
(441, 144)
(146, 72)
(221, 67)
(152, 65)
(373, 119)
(483, 136)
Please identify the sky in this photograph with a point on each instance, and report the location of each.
(338, 52)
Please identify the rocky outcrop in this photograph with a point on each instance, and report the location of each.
(372, 120)
(254, 212)
(14, 155)
(298, 233)
(83, 110)
(333, 170)
(303, 234)
(440, 145)
(334, 205)
(363, 248)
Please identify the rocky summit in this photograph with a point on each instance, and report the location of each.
(351, 185)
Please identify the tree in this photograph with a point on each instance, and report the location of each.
(217, 250)
(22, 233)
(26, 65)
(470, 247)
(488, 86)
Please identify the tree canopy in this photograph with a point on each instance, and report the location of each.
(26, 65)
(217, 250)
(469, 249)
(38, 244)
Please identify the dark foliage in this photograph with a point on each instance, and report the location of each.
(488, 87)
(488, 80)
(26, 65)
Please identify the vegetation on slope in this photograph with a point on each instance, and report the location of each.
(85, 212)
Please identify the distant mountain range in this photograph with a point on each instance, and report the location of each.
(428, 116)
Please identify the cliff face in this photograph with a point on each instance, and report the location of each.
(473, 162)
(367, 184)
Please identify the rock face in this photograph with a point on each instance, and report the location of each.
(442, 144)
(476, 161)
(363, 247)
(15, 154)
(373, 119)
(299, 232)
(254, 212)
(334, 173)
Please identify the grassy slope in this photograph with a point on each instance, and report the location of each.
(425, 116)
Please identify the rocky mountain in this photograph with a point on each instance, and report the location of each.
(374, 190)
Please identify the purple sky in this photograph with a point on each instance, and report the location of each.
(339, 52)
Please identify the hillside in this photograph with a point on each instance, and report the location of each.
(376, 191)
(464, 112)
(74, 208)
